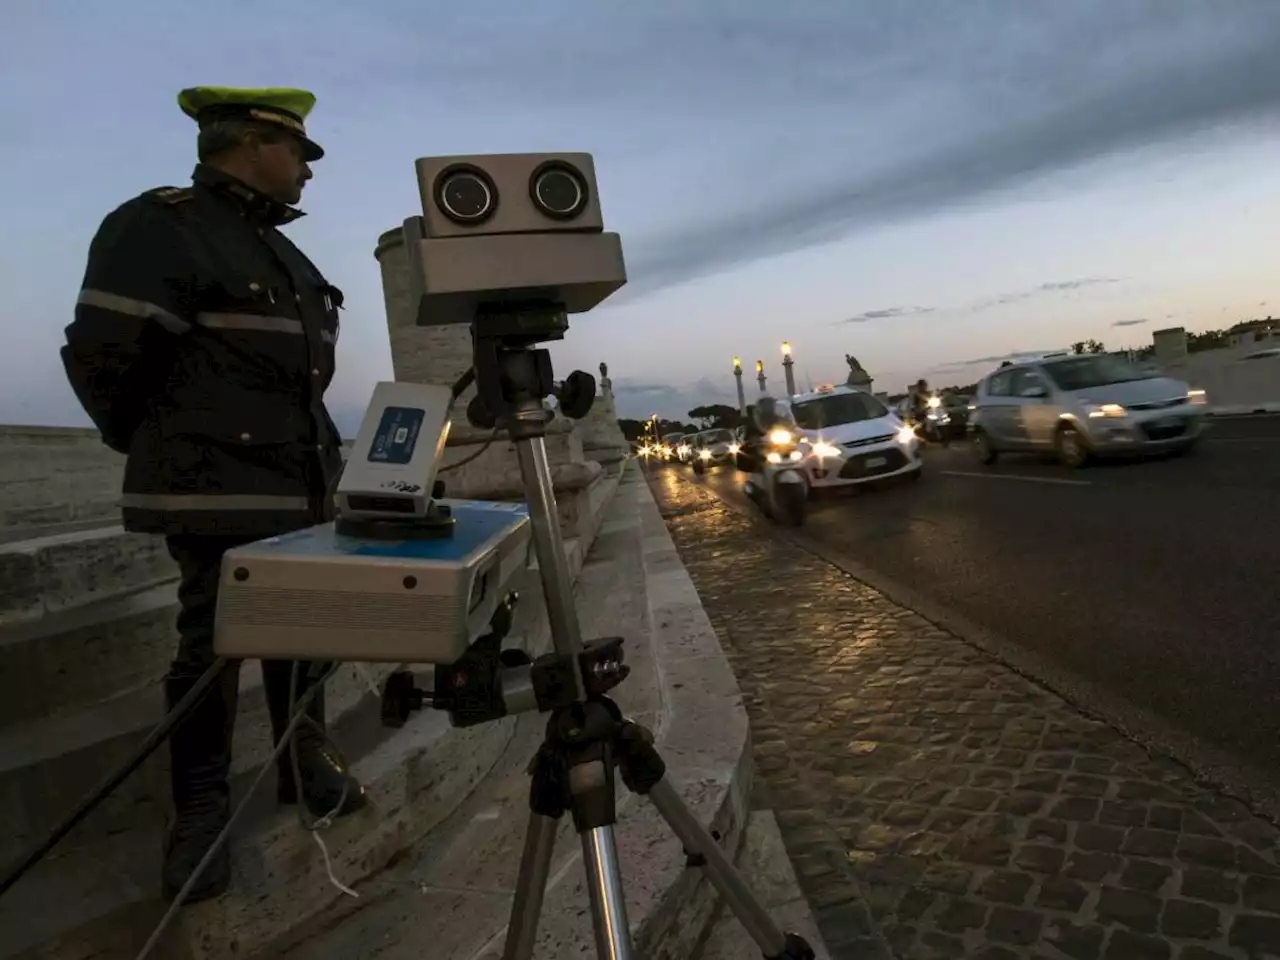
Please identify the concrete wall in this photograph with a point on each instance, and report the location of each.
(52, 475)
(1232, 382)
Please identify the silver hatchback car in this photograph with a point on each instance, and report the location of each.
(1082, 406)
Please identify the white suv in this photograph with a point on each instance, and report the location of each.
(851, 437)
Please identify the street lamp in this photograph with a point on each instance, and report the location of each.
(760, 378)
(787, 365)
(737, 377)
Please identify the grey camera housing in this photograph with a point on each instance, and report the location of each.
(509, 229)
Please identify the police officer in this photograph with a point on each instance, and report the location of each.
(202, 345)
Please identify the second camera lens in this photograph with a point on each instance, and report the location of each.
(559, 192)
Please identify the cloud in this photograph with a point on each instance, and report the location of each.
(1057, 285)
(1044, 289)
(1047, 288)
(887, 313)
(1167, 87)
(957, 365)
(1131, 323)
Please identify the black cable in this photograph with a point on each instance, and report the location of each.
(281, 745)
(465, 460)
(116, 777)
(463, 382)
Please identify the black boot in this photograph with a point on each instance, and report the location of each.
(323, 776)
(200, 761)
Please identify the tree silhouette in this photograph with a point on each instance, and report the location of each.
(713, 415)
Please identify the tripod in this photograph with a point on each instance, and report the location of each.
(587, 737)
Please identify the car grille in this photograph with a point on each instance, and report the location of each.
(864, 464)
(1157, 404)
(853, 444)
(1164, 431)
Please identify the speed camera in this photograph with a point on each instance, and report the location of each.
(509, 229)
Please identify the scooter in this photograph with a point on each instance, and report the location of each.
(779, 489)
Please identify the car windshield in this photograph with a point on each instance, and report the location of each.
(1080, 373)
(717, 436)
(837, 409)
(673, 438)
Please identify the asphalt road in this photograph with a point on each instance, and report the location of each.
(1154, 581)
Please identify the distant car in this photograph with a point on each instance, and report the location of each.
(711, 448)
(1081, 407)
(1269, 354)
(684, 448)
(850, 437)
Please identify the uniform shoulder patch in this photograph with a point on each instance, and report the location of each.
(170, 195)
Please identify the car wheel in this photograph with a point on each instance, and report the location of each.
(983, 452)
(1071, 447)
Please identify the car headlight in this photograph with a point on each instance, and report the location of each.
(1105, 410)
(906, 435)
(1197, 396)
(704, 454)
(824, 449)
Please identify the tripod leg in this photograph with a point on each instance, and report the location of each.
(608, 899)
(531, 885)
(724, 876)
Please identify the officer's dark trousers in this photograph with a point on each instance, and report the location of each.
(200, 746)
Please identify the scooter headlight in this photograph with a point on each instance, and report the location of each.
(735, 447)
(906, 435)
(705, 454)
(782, 437)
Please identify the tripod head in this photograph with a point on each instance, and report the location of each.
(513, 375)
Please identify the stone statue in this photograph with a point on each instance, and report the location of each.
(858, 377)
(606, 385)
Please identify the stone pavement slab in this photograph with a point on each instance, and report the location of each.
(937, 804)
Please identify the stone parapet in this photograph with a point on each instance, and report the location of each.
(87, 674)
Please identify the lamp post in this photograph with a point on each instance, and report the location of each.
(737, 377)
(760, 378)
(787, 364)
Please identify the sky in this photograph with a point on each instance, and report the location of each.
(930, 186)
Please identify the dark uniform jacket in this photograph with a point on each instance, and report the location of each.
(202, 345)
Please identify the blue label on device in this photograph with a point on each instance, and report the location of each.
(397, 435)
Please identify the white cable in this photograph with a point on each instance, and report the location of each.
(295, 769)
(367, 677)
(221, 838)
(328, 866)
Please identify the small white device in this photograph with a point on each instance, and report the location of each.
(391, 470)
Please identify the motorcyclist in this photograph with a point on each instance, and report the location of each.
(920, 401)
(763, 417)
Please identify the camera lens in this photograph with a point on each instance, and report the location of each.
(559, 191)
(465, 196)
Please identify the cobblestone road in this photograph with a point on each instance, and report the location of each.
(937, 804)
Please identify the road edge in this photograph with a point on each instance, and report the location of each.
(1206, 765)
